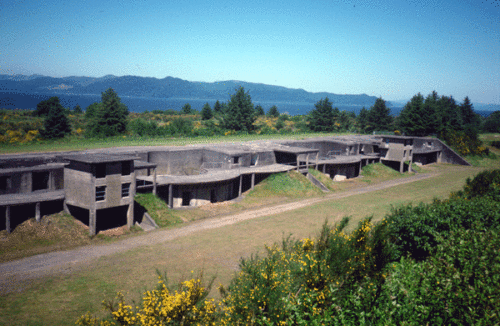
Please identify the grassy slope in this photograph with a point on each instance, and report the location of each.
(84, 290)
(132, 272)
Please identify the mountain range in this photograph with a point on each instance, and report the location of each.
(167, 88)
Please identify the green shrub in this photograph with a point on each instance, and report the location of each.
(457, 285)
(484, 184)
(415, 227)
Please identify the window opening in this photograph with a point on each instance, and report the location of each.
(236, 159)
(125, 189)
(213, 196)
(5, 183)
(100, 193)
(126, 168)
(100, 170)
(40, 180)
(254, 160)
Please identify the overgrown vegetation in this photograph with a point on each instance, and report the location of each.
(292, 184)
(157, 209)
(434, 263)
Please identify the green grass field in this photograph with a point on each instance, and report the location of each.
(59, 300)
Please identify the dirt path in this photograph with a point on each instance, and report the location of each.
(16, 275)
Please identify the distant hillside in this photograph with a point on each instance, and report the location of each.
(168, 87)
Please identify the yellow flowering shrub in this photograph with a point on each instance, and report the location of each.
(161, 306)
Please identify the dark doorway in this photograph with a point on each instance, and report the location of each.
(186, 198)
(213, 196)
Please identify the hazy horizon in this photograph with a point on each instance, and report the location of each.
(379, 48)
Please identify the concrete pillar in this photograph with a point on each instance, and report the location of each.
(130, 215)
(241, 186)
(7, 219)
(37, 212)
(307, 161)
(52, 184)
(324, 168)
(92, 221)
(317, 160)
(154, 181)
(65, 207)
(253, 180)
(298, 162)
(409, 166)
(401, 166)
(360, 166)
(171, 196)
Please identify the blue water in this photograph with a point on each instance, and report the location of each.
(140, 104)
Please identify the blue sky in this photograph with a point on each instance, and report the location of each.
(387, 48)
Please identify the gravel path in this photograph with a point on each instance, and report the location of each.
(16, 275)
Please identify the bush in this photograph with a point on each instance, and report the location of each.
(485, 184)
(179, 305)
(414, 228)
(457, 285)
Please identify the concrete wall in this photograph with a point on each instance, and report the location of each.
(203, 194)
(79, 188)
(396, 151)
(450, 156)
(326, 147)
(446, 155)
(177, 162)
(22, 182)
(265, 158)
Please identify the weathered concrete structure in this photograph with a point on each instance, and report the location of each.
(98, 186)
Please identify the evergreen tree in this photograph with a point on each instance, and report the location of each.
(471, 120)
(108, 118)
(379, 117)
(343, 121)
(218, 109)
(186, 109)
(321, 118)
(492, 123)
(206, 112)
(413, 119)
(273, 112)
(259, 111)
(362, 120)
(90, 111)
(449, 115)
(240, 111)
(43, 108)
(77, 109)
(56, 124)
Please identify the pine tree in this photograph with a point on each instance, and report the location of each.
(206, 112)
(362, 120)
(186, 109)
(77, 109)
(108, 118)
(56, 124)
(273, 112)
(379, 117)
(218, 109)
(43, 108)
(471, 120)
(259, 111)
(413, 119)
(240, 112)
(321, 118)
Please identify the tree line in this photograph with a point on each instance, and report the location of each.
(432, 115)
